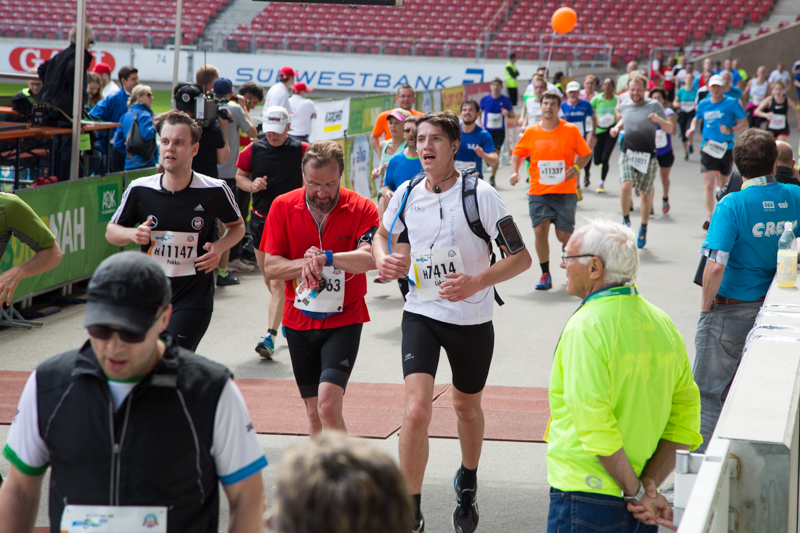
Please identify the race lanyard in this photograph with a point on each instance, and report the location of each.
(107, 519)
(611, 291)
(763, 180)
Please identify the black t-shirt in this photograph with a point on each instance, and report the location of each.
(205, 162)
(283, 166)
(184, 223)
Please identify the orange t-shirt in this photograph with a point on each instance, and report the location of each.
(562, 144)
(382, 125)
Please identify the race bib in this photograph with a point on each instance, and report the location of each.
(606, 120)
(661, 139)
(777, 122)
(552, 172)
(639, 160)
(494, 121)
(715, 149)
(687, 107)
(589, 124)
(580, 127)
(108, 519)
(175, 251)
(430, 268)
(463, 165)
(328, 298)
(668, 75)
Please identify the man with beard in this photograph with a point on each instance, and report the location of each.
(319, 241)
(268, 168)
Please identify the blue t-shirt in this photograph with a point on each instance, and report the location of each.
(747, 224)
(725, 112)
(401, 169)
(110, 109)
(797, 78)
(735, 77)
(466, 150)
(577, 114)
(733, 92)
(492, 108)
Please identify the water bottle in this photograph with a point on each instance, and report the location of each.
(786, 275)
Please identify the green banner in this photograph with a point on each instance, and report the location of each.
(364, 112)
(77, 213)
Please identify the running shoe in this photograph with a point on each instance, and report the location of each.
(545, 282)
(266, 347)
(380, 279)
(601, 189)
(691, 148)
(626, 222)
(706, 223)
(686, 156)
(491, 181)
(237, 265)
(465, 517)
(665, 205)
(652, 210)
(642, 237)
(419, 526)
(226, 281)
(586, 181)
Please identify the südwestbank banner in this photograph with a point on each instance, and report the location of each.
(338, 72)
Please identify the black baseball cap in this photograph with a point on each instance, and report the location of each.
(185, 95)
(126, 291)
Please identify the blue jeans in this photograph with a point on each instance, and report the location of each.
(584, 512)
(718, 344)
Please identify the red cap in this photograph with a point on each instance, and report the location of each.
(101, 68)
(286, 73)
(300, 87)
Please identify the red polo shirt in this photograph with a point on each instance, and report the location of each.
(291, 230)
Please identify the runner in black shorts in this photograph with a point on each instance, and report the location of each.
(172, 216)
(318, 240)
(268, 168)
(450, 309)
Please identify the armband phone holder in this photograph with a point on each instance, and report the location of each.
(509, 235)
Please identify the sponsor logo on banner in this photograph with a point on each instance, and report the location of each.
(107, 200)
(25, 58)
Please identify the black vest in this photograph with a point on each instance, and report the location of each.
(154, 451)
(283, 166)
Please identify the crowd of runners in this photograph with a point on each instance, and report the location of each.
(439, 229)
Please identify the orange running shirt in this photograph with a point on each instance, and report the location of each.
(563, 143)
(382, 125)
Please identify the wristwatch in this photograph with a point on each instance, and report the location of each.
(328, 258)
(638, 497)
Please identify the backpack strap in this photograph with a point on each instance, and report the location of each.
(469, 200)
(411, 184)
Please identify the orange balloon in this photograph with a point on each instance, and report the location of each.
(564, 20)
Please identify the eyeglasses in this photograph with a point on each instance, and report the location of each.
(315, 186)
(565, 257)
(149, 95)
(104, 333)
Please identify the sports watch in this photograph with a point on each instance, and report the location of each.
(638, 497)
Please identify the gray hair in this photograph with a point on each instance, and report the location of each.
(615, 245)
(88, 34)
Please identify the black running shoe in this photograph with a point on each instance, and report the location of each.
(465, 517)
(419, 525)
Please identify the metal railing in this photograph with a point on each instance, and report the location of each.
(748, 478)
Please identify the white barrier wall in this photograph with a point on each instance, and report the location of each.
(344, 72)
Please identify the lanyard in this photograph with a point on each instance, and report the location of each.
(763, 180)
(611, 291)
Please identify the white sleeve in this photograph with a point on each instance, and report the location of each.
(491, 208)
(25, 448)
(236, 451)
(392, 209)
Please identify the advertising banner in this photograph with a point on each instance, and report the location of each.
(76, 212)
(364, 112)
(333, 117)
(476, 91)
(359, 171)
(22, 58)
(452, 98)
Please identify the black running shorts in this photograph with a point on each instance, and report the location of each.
(666, 160)
(469, 350)
(724, 165)
(323, 356)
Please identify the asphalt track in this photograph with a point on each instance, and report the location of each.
(513, 489)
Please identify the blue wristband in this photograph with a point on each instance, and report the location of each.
(328, 258)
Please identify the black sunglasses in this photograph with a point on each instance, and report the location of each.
(104, 333)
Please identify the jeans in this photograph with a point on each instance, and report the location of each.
(718, 343)
(584, 512)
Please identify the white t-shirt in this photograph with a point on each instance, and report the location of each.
(784, 76)
(428, 230)
(278, 94)
(110, 89)
(235, 449)
(302, 110)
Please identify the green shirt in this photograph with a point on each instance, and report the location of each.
(620, 377)
(19, 220)
(604, 109)
(511, 75)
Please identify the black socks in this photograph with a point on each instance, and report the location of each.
(272, 332)
(469, 478)
(545, 267)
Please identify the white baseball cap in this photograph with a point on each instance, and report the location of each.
(573, 86)
(716, 79)
(275, 119)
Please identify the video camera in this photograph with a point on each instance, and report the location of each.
(38, 112)
(206, 108)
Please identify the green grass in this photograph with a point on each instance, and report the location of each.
(161, 103)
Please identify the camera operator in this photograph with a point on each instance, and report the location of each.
(214, 148)
(58, 90)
